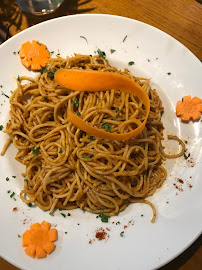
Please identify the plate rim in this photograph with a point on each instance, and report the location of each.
(126, 19)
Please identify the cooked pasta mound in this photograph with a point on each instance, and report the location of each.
(67, 168)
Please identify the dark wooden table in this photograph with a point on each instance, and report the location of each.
(181, 19)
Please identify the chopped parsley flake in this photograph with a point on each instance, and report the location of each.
(1, 127)
(88, 156)
(117, 110)
(65, 232)
(114, 117)
(84, 38)
(76, 102)
(18, 78)
(13, 193)
(3, 94)
(101, 53)
(131, 63)
(60, 150)
(68, 214)
(43, 70)
(8, 191)
(25, 180)
(14, 52)
(19, 236)
(186, 142)
(118, 222)
(112, 51)
(51, 214)
(14, 176)
(29, 204)
(186, 156)
(63, 215)
(35, 151)
(78, 113)
(60, 209)
(104, 218)
(106, 126)
(142, 215)
(90, 138)
(46, 98)
(38, 43)
(7, 179)
(122, 233)
(125, 38)
(169, 73)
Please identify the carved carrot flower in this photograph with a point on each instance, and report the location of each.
(189, 108)
(39, 240)
(34, 55)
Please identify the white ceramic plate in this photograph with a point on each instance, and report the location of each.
(179, 214)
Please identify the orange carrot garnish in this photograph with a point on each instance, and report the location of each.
(39, 240)
(189, 108)
(34, 55)
(93, 81)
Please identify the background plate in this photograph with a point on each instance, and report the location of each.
(174, 72)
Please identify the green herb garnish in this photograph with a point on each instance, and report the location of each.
(1, 127)
(118, 222)
(51, 214)
(7, 179)
(46, 98)
(18, 78)
(29, 204)
(35, 151)
(38, 43)
(63, 215)
(84, 38)
(90, 138)
(112, 51)
(169, 73)
(114, 117)
(186, 156)
(65, 232)
(60, 150)
(76, 102)
(14, 176)
(68, 214)
(12, 194)
(25, 180)
(117, 110)
(101, 53)
(78, 113)
(125, 38)
(19, 236)
(131, 63)
(104, 218)
(106, 126)
(122, 233)
(3, 94)
(43, 70)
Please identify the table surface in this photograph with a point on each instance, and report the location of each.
(181, 19)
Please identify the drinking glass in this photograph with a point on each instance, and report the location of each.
(39, 7)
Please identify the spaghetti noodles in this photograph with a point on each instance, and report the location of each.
(68, 168)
